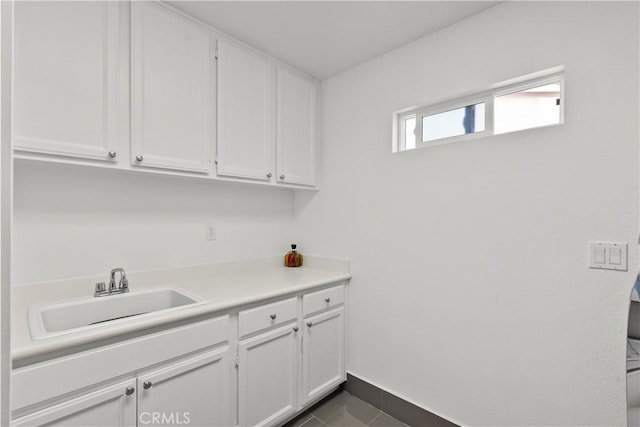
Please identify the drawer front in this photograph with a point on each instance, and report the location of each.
(266, 316)
(39, 382)
(321, 300)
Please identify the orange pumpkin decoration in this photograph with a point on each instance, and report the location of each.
(293, 258)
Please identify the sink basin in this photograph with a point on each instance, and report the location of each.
(50, 320)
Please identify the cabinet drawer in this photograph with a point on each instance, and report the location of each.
(320, 300)
(39, 382)
(268, 315)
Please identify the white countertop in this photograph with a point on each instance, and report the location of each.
(224, 286)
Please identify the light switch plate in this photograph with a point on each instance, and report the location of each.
(608, 256)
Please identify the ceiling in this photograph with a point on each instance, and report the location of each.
(323, 38)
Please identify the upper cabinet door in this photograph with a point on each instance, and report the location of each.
(170, 90)
(245, 113)
(296, 128)
(65, 78)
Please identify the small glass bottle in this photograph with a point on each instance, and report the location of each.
(293, 258)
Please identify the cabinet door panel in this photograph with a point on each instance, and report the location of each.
(65, 78)
(171, 107)
(245, 113)
(267, 377)
(323, 353)
(296, 128)
(109, 406)
(194, 392)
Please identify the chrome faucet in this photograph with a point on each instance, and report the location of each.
(121, 288)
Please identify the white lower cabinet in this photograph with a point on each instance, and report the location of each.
(323, 361)
(295, 361)
(268, 377)
(290, 353)
(114, 405)
(174, 374)
(191, 391)
(194, 391)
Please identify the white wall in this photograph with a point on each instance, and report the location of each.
(70, 221)
(6, 53)
(471, 295)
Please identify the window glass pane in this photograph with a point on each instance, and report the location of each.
(530, 108)
(410, 133)
(463, 120)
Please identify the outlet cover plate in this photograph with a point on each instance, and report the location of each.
(211, 233)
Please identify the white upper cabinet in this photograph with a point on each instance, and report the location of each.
(245, 113)
(77, 95)
(296, 128)
(65, 78)
(170, 90)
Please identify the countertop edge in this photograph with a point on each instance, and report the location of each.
(61, 343)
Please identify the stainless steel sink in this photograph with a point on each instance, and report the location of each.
(50, 320)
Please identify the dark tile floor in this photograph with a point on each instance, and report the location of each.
(343, 409)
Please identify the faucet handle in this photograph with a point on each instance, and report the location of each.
(100, 288)
(124, 284)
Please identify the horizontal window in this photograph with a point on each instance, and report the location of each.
(528, 108)
(460, 121)
(507, 108)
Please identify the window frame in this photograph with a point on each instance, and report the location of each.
(486, 97)
(450, 106)
(530, 84)
(402, 119)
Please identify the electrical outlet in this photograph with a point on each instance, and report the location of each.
(210, 232)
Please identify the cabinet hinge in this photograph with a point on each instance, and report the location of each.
(236, 362)
(215, 54)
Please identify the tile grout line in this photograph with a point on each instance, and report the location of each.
(322, 421)
(361, 421)
(306, 421)
(374, 418)
(368, 404)
(312, 417)
(389, 415)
